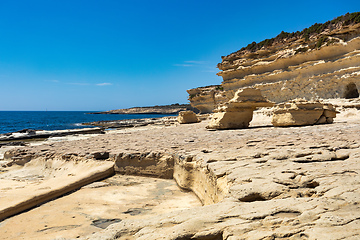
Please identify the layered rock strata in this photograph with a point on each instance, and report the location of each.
(300, 112)
(206, 99)
(291, 68)
(238, 112)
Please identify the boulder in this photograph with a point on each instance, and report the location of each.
(238, 112)
(187, 117)
(299, 112)
(231, 119)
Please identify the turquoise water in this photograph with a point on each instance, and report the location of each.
(12, 121)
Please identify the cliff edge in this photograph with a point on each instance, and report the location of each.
(320, 62)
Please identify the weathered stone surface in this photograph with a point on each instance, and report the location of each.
(64, 177)
(259, 183)
(292, 69)
(98, 205)
(187, 117)
(300, 112)
(205, 98)
(238, 112)
(146, 164)
(249, 97)
(231, 119)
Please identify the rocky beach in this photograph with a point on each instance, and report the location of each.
(263, 182)
(274, 154)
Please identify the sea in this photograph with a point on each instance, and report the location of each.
(13, 121)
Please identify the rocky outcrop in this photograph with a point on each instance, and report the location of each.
(206, 99)
(48, 180)
(238, 112)
(321, 65)
(187, 117)
(32, 134)
(300, 112)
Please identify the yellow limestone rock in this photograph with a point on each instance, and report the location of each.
(289, 69)
(238, 112)
(187, 117)
(299, 112)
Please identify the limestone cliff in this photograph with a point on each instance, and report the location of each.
(320, 62)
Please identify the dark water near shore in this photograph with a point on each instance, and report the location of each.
(12, 121)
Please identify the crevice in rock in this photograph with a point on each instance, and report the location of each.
(320, 146)
(217, 236)
(351, 91)
(340, 157)
(288, 214)
(104, 223)
(347, 222)
(101, 155)
(312, 160)
(135, 211)
(253, 197)
(206, 236)
(288, 235)
(209, 186)
(345, 172)
(312, 184)
(58, 228)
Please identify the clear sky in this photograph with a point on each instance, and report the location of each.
(110, 54)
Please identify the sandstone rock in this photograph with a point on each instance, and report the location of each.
(187, 117)
(238, 112)
(321, 120)
(148, 164)
(300, 112)
(329, 120)
(49, 184)
(291, 69)
(231, 120)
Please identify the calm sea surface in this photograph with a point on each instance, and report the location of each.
(12, 121)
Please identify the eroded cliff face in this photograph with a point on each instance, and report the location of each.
(326, 65)
(205, 99)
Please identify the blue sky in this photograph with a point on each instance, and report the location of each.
(110, 54)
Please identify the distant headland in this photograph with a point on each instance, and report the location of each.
(163, 109)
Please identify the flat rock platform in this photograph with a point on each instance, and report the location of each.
(263, 182)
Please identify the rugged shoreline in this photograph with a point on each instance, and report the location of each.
(96, 127)
(256, 183)
(127, 123)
